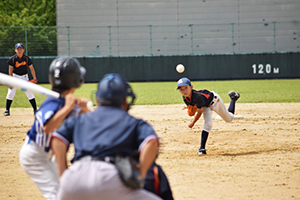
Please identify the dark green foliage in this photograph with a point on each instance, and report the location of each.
(34, 19)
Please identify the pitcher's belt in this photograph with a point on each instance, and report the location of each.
(213, 101)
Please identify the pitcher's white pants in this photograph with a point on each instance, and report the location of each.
(12, 92)
(220, 108)
(40, 167)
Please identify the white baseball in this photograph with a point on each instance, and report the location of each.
(90, 105)
(180, 68)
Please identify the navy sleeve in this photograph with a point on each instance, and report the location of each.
(145, 133)
(65, 132)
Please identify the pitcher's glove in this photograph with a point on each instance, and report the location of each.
(191, 110)
(128, 172)
(33, 81)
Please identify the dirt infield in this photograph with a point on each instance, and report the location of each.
(257, 157)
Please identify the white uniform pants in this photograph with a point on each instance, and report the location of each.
(93, 180)
(220, 108)
(12, 92)
(40, 167)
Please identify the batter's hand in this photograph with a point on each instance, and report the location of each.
(82, 104)
(70, 101)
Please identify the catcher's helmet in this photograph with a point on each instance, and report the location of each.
(65, 72)
(113, 90)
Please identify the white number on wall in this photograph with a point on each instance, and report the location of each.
(260, 69)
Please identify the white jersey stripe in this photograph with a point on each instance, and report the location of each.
(146, 140)
(60, 137)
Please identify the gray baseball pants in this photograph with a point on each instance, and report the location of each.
(91, 180)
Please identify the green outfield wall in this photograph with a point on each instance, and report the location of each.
(198, 67)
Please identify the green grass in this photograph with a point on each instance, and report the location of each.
(252, 91)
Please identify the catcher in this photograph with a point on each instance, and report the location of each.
(113, 137)
(18, 64)
(204, 101)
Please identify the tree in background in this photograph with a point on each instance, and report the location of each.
(31, 19)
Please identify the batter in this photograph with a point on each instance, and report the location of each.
(36, 159)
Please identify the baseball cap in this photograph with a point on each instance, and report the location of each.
(19, 45)
(183, 82)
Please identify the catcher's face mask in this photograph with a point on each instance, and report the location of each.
(130, 97)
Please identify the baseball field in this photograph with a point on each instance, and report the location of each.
(255, 157)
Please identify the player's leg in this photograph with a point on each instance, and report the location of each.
(157, 182)
(29, 94)
(32, 101)
(220, 108)
(207, 115)
(96, 180)
(165, 189)
(234, 96)
(9, 98)
(41, 169)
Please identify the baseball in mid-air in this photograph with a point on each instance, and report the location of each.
(180, 68)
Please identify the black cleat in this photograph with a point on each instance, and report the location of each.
(201, 152)
(6, 113)
(234, 95)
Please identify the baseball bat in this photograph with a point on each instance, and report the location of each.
(23, 85)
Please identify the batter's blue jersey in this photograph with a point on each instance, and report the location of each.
(105, 132)
(48, 108)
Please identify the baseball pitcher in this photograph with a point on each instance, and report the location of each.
(204, 101)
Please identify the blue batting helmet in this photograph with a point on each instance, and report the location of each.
(113, 90)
